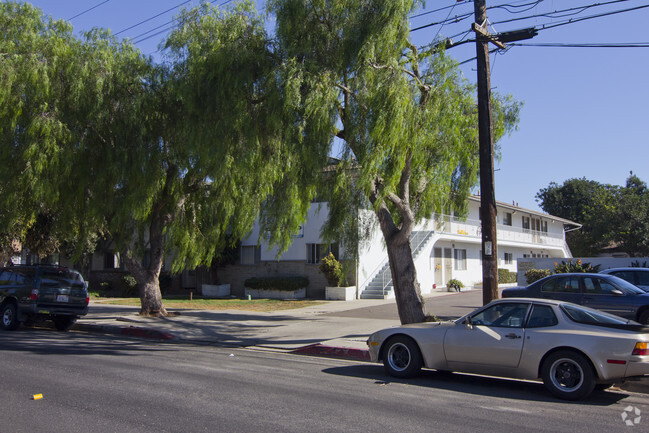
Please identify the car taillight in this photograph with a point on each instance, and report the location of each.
(87, 300)
(640, 349)
(34, 295)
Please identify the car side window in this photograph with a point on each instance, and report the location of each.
(562, 284)
(643, 278)
(542, 316)
(598, 286)
(625, 275)
(5, 277)
(503, 315)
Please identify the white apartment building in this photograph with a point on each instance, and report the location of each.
(444, 248)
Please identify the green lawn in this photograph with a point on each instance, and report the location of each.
(263, 305)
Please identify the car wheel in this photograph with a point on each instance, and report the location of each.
(568, 375)
(63, 323)
(9, 316)
(644, 318)
(401, 357)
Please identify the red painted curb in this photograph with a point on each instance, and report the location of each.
(333, 352)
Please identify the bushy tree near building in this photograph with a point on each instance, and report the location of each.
(405, 119)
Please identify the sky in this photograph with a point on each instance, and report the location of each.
(584, 109)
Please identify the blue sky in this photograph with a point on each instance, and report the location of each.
(585, 109)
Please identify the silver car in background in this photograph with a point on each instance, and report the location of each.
(571, 348)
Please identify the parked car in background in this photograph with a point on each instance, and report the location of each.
(571, 347)
(601, 291)
(29, 293)
(639, 277)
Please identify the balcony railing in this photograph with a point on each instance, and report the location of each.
(473, 229)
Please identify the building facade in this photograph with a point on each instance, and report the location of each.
(444, 247)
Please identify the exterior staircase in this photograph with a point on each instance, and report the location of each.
(381, 285)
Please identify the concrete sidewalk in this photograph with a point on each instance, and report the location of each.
(332, 329)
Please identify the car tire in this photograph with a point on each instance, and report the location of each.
(568, 375)
(402, 357)
(9, 316)
(644, 318)
(63, 323)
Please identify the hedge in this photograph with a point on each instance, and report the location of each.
(277, 283)
(505, 276)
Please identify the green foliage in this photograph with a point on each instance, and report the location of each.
(576, 266)
(128, 286)
(505, 276)
(637, 264)
(612, 216)
(457, 284)
(277, 283)
(332, 270)
(533, 275)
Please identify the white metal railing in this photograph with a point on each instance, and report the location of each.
(473, 228)
(386, 275)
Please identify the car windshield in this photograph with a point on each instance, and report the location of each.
(627, 286)
(591, 317)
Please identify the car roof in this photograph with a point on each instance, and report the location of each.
(625, 269)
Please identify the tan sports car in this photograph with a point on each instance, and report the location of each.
(571, 347)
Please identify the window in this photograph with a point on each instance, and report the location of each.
(542, 316)
(509, 258)
(507, 219)
(460, 260)
(315, 252)
(109, 261)
(502, 315)
(562, 285)
(249, 255)
(525, 221)
(598, 286)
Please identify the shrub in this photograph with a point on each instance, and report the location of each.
(637, 264)
(129, 286)
(277, 283)
(533, 275)
(577, 266)
(454, 283)
(505, 276)
(332, 270)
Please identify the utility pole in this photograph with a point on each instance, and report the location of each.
(485, 129)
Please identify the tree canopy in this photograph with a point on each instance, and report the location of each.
(181, 157)
(611, 216)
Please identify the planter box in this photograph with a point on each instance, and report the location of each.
(340, 293)
(276, 294)
(214, 291)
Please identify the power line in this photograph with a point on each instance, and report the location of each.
(576, 45)
(88, 10)
(153, 17)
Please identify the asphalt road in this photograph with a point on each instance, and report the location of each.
(444, 307)
(96, 384)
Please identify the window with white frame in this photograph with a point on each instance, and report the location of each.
(525, 222)
(459, 262)
(315, 252)
(509, 258)
(507, 219)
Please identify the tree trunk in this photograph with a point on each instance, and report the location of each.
(410, 303)
(148, 280)
(148, 285)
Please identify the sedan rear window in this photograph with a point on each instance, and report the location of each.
(591, 317)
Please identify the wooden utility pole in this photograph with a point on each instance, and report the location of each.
(485, 129)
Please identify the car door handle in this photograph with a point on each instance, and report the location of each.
(512, 336)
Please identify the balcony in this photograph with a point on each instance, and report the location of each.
(473, 229)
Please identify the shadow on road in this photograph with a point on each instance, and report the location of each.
(471, 384)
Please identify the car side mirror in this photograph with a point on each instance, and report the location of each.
(468, 323)
(617, 292)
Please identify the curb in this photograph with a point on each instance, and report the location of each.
(333, 352)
